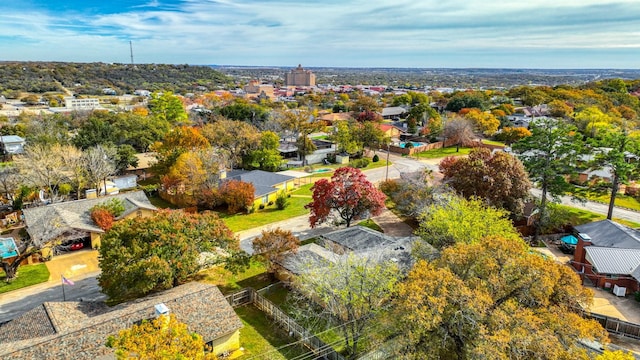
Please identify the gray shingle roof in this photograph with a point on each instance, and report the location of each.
(263, 181)
(606, 233)
(48, 222)
(358, 238)
(77, 330)
(612, 260)
(308, 256)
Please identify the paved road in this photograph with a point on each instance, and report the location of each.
(17, 302)
(596, 207)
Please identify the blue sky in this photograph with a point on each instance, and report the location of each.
(340, 33)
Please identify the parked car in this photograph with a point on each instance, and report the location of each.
(76, 246)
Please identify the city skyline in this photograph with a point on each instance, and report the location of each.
(418, 34)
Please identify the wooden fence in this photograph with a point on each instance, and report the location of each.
(251, 296)
(615, 325)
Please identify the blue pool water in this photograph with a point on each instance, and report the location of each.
(415, 144)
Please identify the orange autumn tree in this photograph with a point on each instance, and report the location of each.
(161, 338)
(494, 299)
(238, 195)
(272, 246)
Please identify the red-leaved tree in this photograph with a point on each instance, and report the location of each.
(348, 195)
(238, 195)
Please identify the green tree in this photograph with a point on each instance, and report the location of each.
(493, 299)
(350, 292)
(168, 107)
(615, 151)
(266, 156)
(237, 138)
(344, 138)
(463, 221)
(147, 254)
(550, 156)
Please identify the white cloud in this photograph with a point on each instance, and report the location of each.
(394, 33)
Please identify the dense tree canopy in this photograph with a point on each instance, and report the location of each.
(463, 221)
(498, 178)
(161, 338)
(143, 255)
(493, 299)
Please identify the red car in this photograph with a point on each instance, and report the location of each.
(76, 246)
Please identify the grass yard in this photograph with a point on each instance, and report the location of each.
(27, 275)
(304, 190)
(261, 339)
(578, 217)
(440, 152)
(239, 222)
(160, 203)
(255, 277)
(623, 201)
(371, 225)
(493, 142)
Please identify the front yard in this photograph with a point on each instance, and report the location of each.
(27, 275)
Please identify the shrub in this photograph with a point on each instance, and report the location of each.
(114, 206)
(389, 187)
(360, 163)
(375, 158)
(270, 203)
(282, 201)
(64, 189)
(150, 190)
(261, 207)
(636, 295)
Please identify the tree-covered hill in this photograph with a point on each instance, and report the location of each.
(91, 78)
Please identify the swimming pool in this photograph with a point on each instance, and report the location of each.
(403, 144)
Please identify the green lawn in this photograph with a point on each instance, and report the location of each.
(579, 216)
(255, 277)
(271, 214)
(440, 152)
(371, 225)
(160, 203)
(27, 275)
(261, 338)
(493, 142)
(304, 190)
(623, 201)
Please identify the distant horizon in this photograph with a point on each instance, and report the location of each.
(427, 34)
(318, 67)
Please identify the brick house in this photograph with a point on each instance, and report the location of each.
(608, 254)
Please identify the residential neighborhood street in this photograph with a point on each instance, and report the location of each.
(81, 267)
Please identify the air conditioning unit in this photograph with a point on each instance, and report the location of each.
(619, 290)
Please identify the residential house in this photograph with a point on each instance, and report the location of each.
(145, 162)
(79, 330)
(608, 254)
(12, 144)
(392, 131)
(71, 221)
(268, 185)
(393, 112)
(358, 240)
(330, 118)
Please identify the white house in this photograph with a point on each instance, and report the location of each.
(12, 144)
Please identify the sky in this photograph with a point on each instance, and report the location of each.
(548, 34)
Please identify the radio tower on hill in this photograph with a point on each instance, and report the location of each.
(131, 50)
